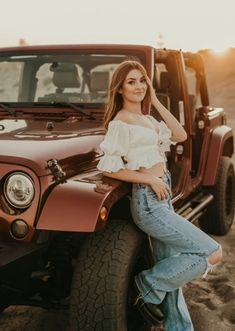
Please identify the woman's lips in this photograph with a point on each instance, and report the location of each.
(139, 93)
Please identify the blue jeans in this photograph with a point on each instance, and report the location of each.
(180, 251)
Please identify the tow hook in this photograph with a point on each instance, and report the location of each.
(56, 170)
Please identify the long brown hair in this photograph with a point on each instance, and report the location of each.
(115, 100)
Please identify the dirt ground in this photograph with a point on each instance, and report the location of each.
(211, 301)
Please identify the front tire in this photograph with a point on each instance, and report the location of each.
(219, 216)
(103, 277)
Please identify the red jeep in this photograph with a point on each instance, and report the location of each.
(66, 233)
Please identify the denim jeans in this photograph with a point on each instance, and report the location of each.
(180, 252)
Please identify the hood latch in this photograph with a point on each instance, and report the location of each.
(56, 170)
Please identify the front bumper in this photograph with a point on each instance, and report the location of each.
(17, 261)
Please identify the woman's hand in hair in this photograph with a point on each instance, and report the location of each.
(178, 132)
(151, 90)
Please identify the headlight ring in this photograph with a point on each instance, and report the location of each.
(19, 190)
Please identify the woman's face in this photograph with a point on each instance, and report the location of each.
(134, 87)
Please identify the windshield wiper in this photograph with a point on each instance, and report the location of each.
(73, 106)
(7, 109)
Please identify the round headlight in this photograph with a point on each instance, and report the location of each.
(19, 190)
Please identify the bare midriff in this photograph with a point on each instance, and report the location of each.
(157, 170)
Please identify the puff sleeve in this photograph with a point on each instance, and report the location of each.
(115, 147)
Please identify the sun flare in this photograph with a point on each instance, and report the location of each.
(220, 50)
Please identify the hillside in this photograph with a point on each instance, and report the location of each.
(220, 71)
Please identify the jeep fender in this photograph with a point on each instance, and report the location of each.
(221, 143)
(75, 206)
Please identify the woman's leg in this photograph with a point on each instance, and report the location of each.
(176, 312)
(192, 246)
(177, 317)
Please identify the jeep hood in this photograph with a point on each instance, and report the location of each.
(31, 144)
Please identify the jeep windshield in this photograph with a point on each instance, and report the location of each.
(44, 78)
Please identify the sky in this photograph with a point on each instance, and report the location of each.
(178, 24)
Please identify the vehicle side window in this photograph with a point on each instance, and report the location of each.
(161, 85)
(193, 88)
(194, 96)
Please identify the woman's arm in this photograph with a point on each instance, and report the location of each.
(178, 132)
(132, 176)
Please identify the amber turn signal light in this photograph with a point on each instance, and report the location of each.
(103, 213)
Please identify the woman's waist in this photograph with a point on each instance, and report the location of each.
(143, 160)
(157, 170)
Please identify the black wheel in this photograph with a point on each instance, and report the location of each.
(101, 293)
(219, 216)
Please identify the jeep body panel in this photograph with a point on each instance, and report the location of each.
(75, 205)
(218, 139)
(33, 144)
(73, 145)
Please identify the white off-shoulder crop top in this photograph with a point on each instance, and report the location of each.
(131, 146)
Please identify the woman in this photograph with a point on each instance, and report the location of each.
(134, 151)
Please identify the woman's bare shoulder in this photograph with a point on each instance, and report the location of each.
(122, 116)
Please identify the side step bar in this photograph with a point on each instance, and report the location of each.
(193, 209)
